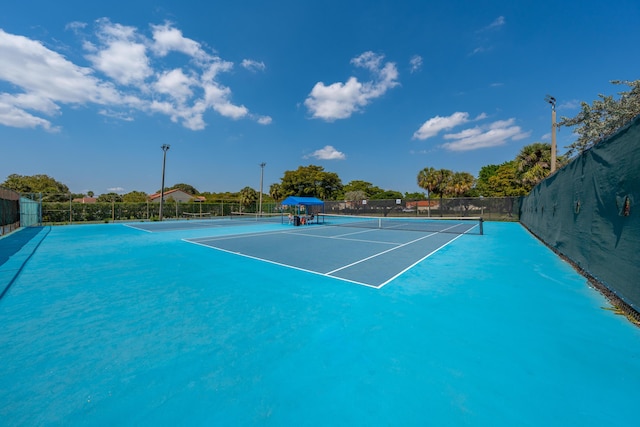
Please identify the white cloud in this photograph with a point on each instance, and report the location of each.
(497, 23)
(327, 153)
(13, 116)
(485, 34)
(176, 84)
(119, 115)
(211, 71)
(482, 136)
(467, 133)
(44, 79)
(167, 39)
(47, 75)
(435, 125)
(340, 100)
(75, 26)
(415, 63)
(124, 62)
(252, 65)
(336, 101)
(492, 135)
(128, 72)
(120, 55)
(217, 96)
(265, 120)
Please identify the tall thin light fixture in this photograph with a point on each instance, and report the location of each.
(551, 100)
(262, 165)
(165, 148)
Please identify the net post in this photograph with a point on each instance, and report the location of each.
(481, 226)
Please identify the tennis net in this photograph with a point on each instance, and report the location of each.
(456, 225)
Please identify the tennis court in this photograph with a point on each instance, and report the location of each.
(115, 325)
(362, 252)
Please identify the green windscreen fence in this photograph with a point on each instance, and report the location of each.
(9, 211)
(588, 212)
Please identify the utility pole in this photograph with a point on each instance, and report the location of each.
(551, 100)
(262, 165)
(165, 148)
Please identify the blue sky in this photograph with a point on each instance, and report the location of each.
(371, 90)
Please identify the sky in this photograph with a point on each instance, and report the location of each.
(371, 90)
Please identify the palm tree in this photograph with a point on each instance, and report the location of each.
(275, 191)
(532, 154)
(248, 196)
(534, 163)
(443, 179)
(427, 180)
(460, 183)
(436, 182)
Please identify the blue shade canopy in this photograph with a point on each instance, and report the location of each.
(305, 201)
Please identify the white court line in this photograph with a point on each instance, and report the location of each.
(285, 265)
(380, 253)
(393, 249)
(300, 232)
(419, 261)
(160, 229)
(137, 228)
(201, 242)
(340, 237)
(235, 236)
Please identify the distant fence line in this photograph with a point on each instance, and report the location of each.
(48, 208)
(490, 208)
(73, 212)
(499, 209)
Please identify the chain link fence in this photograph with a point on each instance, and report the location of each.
(489, 208)
(57, 210)
(61, 209)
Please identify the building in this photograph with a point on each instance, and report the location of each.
(85, 199)
(423, 205)
(176, 195)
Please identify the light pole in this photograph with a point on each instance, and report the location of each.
(551, 100)
(262, 165)
(165, 148)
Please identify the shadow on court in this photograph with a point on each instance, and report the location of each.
(11, 244)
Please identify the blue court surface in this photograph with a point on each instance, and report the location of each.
(369, 257)
(233, 325)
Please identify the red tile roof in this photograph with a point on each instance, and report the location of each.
(168, 192)
(85, 200)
